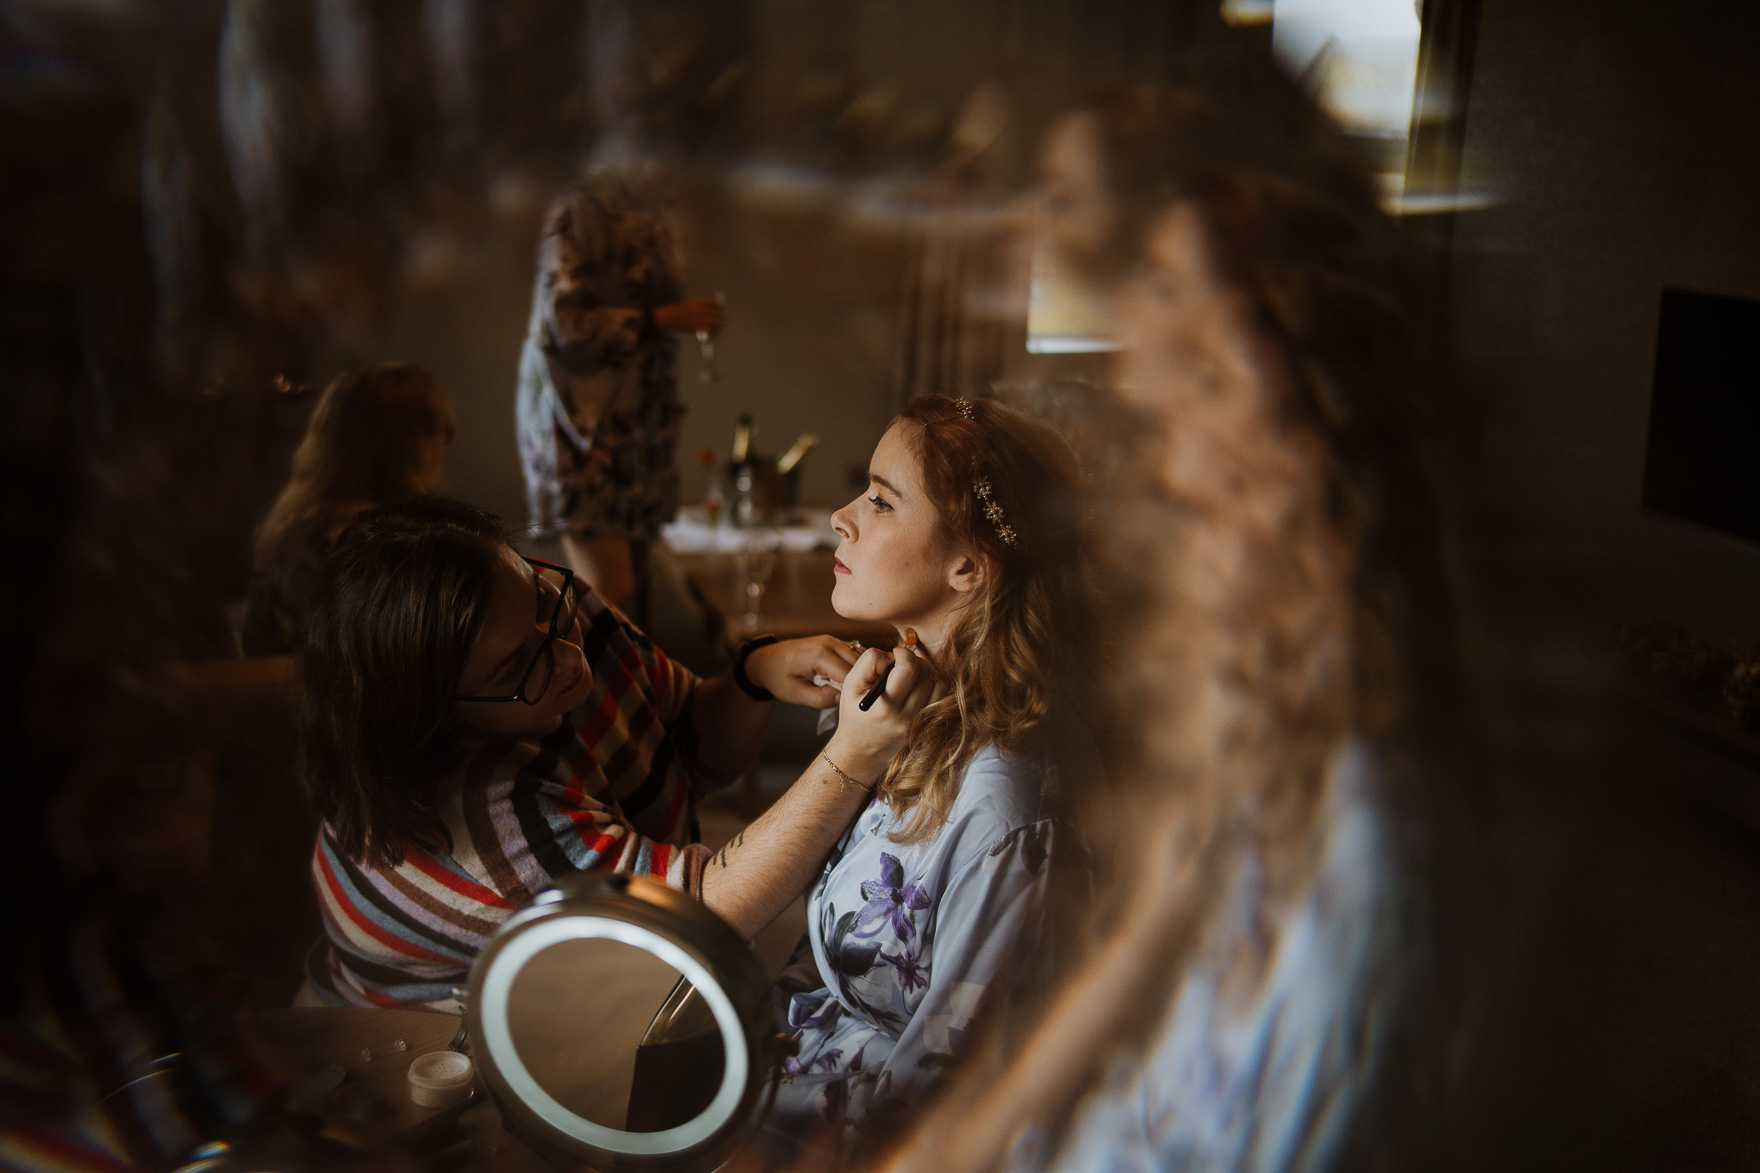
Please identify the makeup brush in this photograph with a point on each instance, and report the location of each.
(910, 641)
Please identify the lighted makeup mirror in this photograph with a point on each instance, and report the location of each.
(620, 1024)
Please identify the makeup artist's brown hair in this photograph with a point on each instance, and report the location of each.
(401, 603)
(363, 446)
(1029, 634)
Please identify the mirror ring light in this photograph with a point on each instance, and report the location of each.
(678, 931)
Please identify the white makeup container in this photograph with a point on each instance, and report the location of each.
(440, 1079)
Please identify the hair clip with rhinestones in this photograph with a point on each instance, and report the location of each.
(993, 511)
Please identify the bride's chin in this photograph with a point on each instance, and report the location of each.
(847, 609)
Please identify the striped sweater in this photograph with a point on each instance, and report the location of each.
(612, 789)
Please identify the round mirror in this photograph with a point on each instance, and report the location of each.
(619, 1022)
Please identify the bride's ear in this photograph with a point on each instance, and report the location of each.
(969, 571)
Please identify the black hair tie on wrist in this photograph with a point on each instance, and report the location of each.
(739, 668)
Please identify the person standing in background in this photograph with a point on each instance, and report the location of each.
(598, 410)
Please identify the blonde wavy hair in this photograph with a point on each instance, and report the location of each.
(1027, 640)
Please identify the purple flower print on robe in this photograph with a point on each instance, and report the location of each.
(912, 973)
(890, 901)
(906, 940)
(813, 1011)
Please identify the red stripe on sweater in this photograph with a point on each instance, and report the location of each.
(368, 927)
(659, 674)
(425, 864)
(602, 844)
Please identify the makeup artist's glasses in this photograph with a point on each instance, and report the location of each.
(536, 677)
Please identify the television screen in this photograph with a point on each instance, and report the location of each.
(1702, 463)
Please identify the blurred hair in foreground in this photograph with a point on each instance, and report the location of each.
(1259, 982)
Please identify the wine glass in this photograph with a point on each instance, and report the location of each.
(706, 344)
(757, 561)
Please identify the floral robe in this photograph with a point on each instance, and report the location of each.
(1274, 1083)
(905, 939)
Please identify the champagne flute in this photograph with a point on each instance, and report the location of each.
(706, 345)
(757, 562)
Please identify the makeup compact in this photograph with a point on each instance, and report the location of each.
(440, 1079)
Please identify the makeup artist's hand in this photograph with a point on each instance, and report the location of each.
(787, 668)
(866, 742)
(686, 317)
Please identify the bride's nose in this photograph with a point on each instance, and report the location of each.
(841, 524)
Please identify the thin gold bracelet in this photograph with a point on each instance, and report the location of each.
(842, 778)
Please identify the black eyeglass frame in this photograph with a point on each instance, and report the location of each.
(562, 597)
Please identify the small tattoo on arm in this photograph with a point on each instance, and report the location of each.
(721, 856)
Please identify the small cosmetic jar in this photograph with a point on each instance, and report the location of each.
(440, 1079)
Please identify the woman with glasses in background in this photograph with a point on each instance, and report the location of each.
(474, 725)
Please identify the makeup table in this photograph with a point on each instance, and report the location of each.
(371, 1108)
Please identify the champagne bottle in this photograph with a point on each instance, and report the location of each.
(742, 440)
(741, 476)
(794, 455)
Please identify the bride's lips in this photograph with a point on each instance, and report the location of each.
(838, 566)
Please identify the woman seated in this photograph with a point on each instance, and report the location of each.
(474, 725)
(968, 538)
(377, 434)
(1286, 668)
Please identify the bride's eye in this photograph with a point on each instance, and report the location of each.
(880, 503)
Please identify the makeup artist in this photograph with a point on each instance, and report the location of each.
(474, 725)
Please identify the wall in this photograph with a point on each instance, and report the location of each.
(1618, 139)
(844, 112)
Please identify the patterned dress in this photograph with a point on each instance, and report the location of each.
(612, 789)
(598, 411)
(905, 939)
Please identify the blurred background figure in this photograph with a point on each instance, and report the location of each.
(1284, 655)
(378, 433)
(598, 406)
